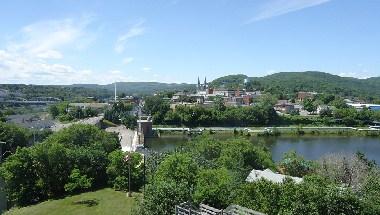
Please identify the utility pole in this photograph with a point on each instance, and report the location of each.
(1, 150)
(115, 93)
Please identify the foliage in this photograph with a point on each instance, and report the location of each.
(229, 81)
(120, 113)
(77, 182)
(157, 107)
(310, 105)
(288, 83)
(314, 196)
(11, 137)
(118, 170)
(64, 112)
(295, 165)
(205, 172)
(214, 187)
(73, 159)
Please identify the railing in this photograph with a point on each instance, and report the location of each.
(187, 209)
(236, 209)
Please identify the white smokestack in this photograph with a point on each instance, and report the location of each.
(115, 94)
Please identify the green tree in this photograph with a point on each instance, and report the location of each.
(309, 105)
(77, 182)
(118, 170)
(54, 111)
(214, 187)
(295, 165)
(11, 137)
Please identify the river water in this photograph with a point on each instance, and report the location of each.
(311, 147)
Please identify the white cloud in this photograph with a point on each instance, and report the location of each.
(26, 58)
(44, 39)
(274, 8)
(128, 60)
(20, 69)
(136, 30)
(146, 69)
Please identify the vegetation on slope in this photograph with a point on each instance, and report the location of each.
(289, 83)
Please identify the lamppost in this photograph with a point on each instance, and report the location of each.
(34, 135)
(128, 159)
(1, 151)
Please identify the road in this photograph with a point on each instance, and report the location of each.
(129, 139)
(88, 121)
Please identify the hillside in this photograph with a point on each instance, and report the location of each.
(106, 201)
(292, 82)
(71, 92)
(141, 87)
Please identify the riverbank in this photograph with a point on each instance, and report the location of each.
(270, 131)
(312, 147)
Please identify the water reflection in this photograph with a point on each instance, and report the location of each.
(311, 147)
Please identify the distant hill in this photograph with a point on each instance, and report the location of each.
(292, 82)
(130, 88)
(72, 92)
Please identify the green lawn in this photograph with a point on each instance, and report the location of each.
(105, 201)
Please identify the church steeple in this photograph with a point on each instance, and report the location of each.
(205, 84)
(199, 84)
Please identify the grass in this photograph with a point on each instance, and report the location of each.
(105, 201)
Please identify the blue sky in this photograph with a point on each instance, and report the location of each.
(72, 41)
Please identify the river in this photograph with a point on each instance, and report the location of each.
(311, 147)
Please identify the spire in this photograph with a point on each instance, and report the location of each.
(205, 84)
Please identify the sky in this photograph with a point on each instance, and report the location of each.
(175, 41)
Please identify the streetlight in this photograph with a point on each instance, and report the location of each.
(1, 151)
(128, 159)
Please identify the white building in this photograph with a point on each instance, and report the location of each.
(267, 174)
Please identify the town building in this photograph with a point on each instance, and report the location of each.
(302, 96)
(284, 106)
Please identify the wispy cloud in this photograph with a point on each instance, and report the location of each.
(44, 39)
(26, 57)
(273, 8)
(136, 30)
(128, 60)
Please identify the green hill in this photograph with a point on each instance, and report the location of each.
(292, 82)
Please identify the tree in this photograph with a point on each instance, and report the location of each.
(118, 170)
(213, 187)
(309, 105)
(11, 137)
(295, 165)
(71, 160)
(77, 182)
(53, 110)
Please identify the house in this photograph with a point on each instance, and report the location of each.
(284, 106)
(322, 108)
(267, 174)
(302, 96)
(360, 106)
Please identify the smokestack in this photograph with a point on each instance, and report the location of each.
(115, 94)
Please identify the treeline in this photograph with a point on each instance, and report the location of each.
(219, 115)
(76, 159)
(72, 93)
(64, 112)
(121, 113)
(213, 172)
(287, 84)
